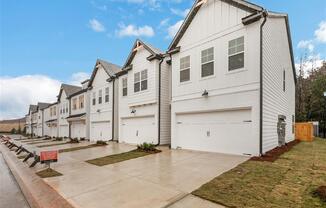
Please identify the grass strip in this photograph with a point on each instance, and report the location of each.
(47, 173)
(111, 159)
(80, 148)
(289, 181)
(39, 142)
(51, 145)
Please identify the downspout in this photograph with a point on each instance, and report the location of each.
(113, 83)
(264, 14)
(69, 124)
(42, 123)
(159, 101)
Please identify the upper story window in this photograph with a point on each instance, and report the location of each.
(125, 86)
(67, 108)
(81, 101)
(74, 103)
(185, 69)
(54, 110)
(106, 95)
(140, 81)
(94, 98)
(284, 81)
(236, 54)
(99, 96)
(207, 62)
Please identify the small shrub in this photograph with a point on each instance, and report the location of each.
(58, 139)
(73, 140)
(147, 147)
(101, 142)
(82, 139)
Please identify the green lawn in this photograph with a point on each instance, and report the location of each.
(50, 145)
(80, 148)
(111, 159)
(287, 182)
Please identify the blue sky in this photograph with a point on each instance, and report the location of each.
(60, 40)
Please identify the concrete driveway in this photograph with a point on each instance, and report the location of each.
(153, 181)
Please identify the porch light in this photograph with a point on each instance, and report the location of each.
(133, 111)
(205, 93)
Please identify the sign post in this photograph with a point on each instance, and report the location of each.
(48, 157)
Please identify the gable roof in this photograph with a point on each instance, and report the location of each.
(69, 90)
(41, 106)
(110, 68)
(155, 52)
(32, 108)
(247, 6)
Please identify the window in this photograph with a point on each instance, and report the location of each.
(51, 112)
(124, 86)
(185, 69)
(99, 96)
(106, 95)
(67, 108)
(140, 81)
(236, 53)
(94, 98)
(74, 103)
(207, 62)
(283, 80)
(54, 110)
(81, 101)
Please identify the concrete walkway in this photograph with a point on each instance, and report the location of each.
(10, 193)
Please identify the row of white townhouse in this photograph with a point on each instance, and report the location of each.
(226, 84)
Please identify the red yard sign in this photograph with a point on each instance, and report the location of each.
(49, 156)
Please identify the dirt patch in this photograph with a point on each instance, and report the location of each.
(47, 173)
(320, 192)
(111, 159)
(275, 153)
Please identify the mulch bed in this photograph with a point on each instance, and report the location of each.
(321, 193)
(275, 153)
(48, 173)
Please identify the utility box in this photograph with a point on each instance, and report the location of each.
(304, 132)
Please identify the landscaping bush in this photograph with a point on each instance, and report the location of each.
(58, 139)
(73, 140)
(82, 139)
(147, 147)
(101, 142)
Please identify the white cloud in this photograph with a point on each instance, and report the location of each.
(133, 30)
(182, 13)
(173, 29)
(310, 63)
(78, 77)
(17, 93)
(164, 22)
(306, 44)
(320, 33)
(152, 4)
(96, 25)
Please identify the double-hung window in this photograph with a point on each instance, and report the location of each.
(74, 103)
(94, 98)
(185, 69)
(106, 98)
(81, 101)
(284, 81)
(54, 110)
(236, 54)
(125, 86)
(67, 108)
(140, 81)
(99, 96)
(207, 62)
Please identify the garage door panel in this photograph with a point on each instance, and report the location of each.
(138, 130)
(101, 131)
(227, 132)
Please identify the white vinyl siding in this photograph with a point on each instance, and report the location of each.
(236, 54)
(207, 62)
(185, 69)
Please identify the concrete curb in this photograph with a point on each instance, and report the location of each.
(38, 193)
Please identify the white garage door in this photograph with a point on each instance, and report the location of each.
(53, 131)
(101, 131)
(225, 132)
(63, 131)
(78, 130)
(138, 130)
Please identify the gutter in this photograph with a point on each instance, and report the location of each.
(69, 124)
(42, 123)
(264, 15)
(113, 94)
(159, 100)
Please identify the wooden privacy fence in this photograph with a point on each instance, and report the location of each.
(304, 132)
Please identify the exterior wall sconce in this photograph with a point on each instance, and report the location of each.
(133, 111)
(98, 110)
(205, 93)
